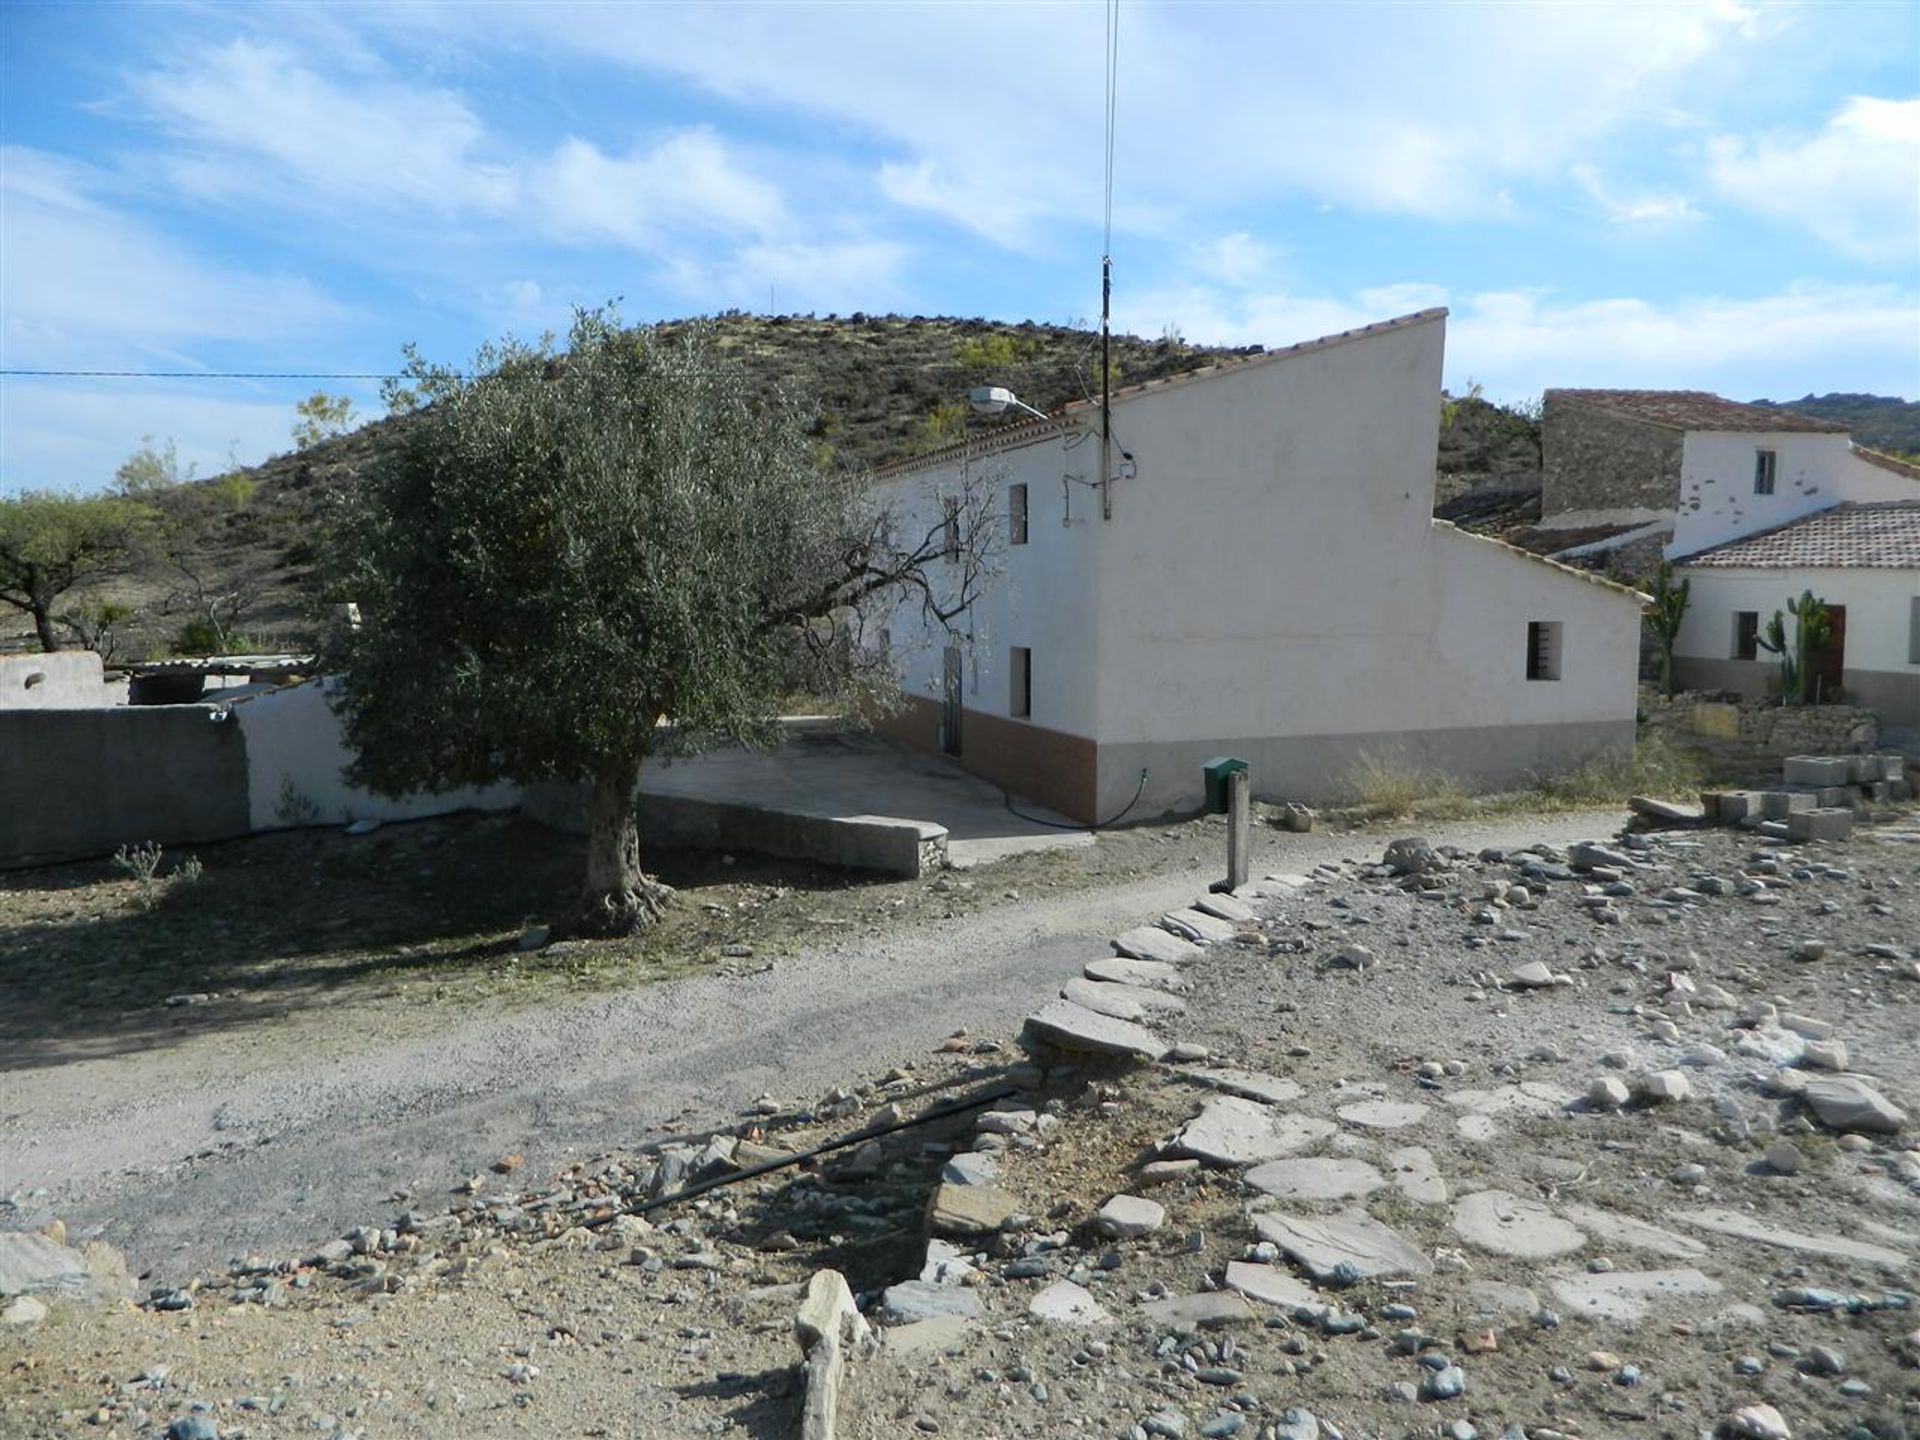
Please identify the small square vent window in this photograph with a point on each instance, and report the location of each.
(1543, 650)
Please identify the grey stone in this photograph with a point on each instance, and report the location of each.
(1125, 1217)
(1205, 1311)
(1148, 974)
(1845, 1102)
(1636, 1234)
(1225, 907)
(1816, 770)
(1120, 1001)
(1382, 1114)
(1353, 1246)
(1663, 1086)
(1410, 855)
(914, 1300)
(1074, 1027)
(971, 1167)
(1417, 1176)
(1272, 1286)
(969, 1209)
(1235, 1131)
(1626, 1296)
(1150, 942)
(34, 1264)
(1270, 1089)
(1449, 1382)
(1530, 975)
(1509, 1224)
(23, 1310)
(1838, 1247)
(1066, 1303)
(1315, 1178)
(1198, 926)
(198, 1427)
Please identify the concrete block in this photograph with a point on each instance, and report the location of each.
(1817, 769)
(1778, 804)
(1832, 794)
(1729, 807)
(1826, 823)
(1773, 829)
(1862, 768)
(1881, 790)
(1892, 767)
(1899, 789)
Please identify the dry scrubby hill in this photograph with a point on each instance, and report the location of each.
(883, 386)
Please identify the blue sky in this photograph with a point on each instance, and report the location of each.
(1722, 196)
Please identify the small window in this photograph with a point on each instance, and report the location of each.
(1763, 463)
(1913, 632)
(1020, 700)
(1016, 514)
(1746, 634)
(1543, 650)
(950, 538)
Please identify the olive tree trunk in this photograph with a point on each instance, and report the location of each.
(619, 898)
(43, 629)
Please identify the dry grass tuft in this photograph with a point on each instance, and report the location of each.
(1389, 786)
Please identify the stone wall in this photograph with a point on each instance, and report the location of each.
(1763, 724)
(1593, 460)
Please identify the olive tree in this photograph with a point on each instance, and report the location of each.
(568, 562)
(50, 543)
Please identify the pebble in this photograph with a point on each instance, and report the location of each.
(1449, 1382)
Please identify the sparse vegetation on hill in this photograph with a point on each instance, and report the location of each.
(1880, 422)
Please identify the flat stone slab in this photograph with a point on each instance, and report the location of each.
(1199, 926)
(1845, 1102)
(1269, 1089)
(1747, 1227)
(1273, 1286)
(1225, 907)
(1418, 1178)
(1120, 1002)
(1355, 1240)
(969, 1209)
(1066, 1303)
(1315, 1178)
(970, 1167)
(1484, 1107)
(1150, 942)
(927, 1337)
(1617, 1229)
(1625, 1296)
(1382, 1114)
(1206, 1311)
(912, 1301)
(36, 1265)
(1148, 974)
(1235, 1131)
(1126, 1216)
(1510, 1224)
(1074, 1027)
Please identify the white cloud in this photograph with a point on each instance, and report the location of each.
(831, 277)
(1639, 209)
(523, 293)
(256, 123)
(1517, 343)
(1855, 184)
(89, 286)
(1236, 259)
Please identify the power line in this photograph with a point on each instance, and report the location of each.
(213, 374)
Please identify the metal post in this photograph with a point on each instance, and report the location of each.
(1239, 830)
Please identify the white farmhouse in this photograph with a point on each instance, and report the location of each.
(1262, 577)
(1862, 558)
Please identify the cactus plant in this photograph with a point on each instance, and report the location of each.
(1663, 618)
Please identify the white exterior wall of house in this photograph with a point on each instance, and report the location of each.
(1880, 669)
(1811, 472)
(1272, 586)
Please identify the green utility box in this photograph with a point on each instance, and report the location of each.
(1216, 772)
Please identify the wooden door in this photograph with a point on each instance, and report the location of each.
(950, 708)
(1830, 660)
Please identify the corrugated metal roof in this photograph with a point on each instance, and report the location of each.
(1859, 535)
(1694, 410)
(1011, 437)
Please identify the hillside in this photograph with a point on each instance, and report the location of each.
(1880, 422)
(884, 386)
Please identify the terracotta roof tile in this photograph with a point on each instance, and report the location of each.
(1860, 535)
(1694, 410)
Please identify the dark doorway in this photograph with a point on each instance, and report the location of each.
(950, 708)
(1830, 660)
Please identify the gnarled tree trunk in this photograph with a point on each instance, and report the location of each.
(43, 629)
(619, 899)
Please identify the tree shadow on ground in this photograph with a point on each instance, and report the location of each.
(769, 1403)
(89, 961)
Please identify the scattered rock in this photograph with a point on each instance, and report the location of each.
(1126, 1217)
(1066, 1303)
(1509, 1224)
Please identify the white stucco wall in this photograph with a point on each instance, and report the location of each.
(64, 680)
(293, 739)
(1879, 611)
(1811, 472)
(1044, 597)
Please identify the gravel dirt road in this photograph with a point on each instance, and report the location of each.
(269, 1140)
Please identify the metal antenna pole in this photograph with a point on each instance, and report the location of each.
(1106, 383)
